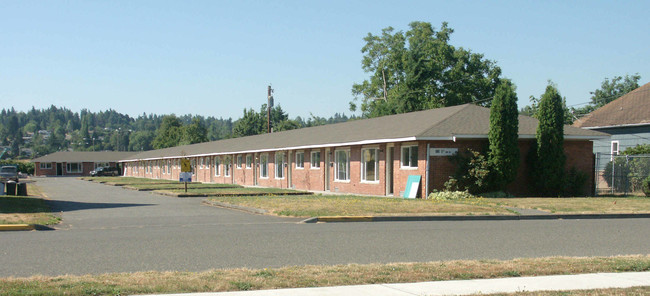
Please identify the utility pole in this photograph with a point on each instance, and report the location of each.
(269, 105)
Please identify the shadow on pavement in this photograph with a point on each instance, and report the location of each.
(69, 206)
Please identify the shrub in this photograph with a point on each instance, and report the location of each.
(23, 166)
(472, 173)
(575, 182)
(629, 173)
(450, 195)
(496, 194)
(646, 186)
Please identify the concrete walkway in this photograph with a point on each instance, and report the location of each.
(466, 287)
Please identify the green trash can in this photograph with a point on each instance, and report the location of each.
(11, 188)
(21, 189)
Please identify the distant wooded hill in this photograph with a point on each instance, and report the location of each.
(42, 131)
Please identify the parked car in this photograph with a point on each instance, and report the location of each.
(9, 173)
(105, 171)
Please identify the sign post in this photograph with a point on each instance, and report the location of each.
(186, 172)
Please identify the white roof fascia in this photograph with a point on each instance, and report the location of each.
(615, 126)
(364, 142)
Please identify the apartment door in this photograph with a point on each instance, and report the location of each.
(289, 169)
(389, 170)
(59, 169)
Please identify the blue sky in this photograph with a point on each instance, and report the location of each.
(215, 58)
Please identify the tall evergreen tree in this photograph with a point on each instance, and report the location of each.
(503, 136)
(550, 158)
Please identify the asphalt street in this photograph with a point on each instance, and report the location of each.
(110, 229)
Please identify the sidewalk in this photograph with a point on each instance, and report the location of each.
(466, 287)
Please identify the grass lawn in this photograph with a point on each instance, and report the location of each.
(267, 192)
(350, 205)
(26, 209)
(181, 186)
(314, 276)
(576, 205)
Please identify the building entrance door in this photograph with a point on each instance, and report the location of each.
(389, 170)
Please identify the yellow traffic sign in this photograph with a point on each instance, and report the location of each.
(185, 165)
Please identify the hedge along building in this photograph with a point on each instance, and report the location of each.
(371, 156)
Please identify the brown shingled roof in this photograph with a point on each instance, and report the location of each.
(85, 156)
(467, 121)
(632, 108)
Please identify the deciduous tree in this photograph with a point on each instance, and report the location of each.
(419, 69)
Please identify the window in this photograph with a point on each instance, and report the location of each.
(370, 165)
(74, 167)
(315, 160)
(163, 165)
(239, 161)
(409, 156)
(614, 149)
(279, 165)
(342, 158)
(300, 160)
(193, 166)
(249, 161)
(264, 166)
(217, 163)
(227, 165)
(46, 165)
(101, 164)
(169, 166)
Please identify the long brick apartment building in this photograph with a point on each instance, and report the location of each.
(370, 156)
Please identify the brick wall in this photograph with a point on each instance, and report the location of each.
(579, 154)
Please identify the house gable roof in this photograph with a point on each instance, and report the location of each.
(632, 108)
(435, 124)
(85, 156)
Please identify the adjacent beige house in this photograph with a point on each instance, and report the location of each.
(76, 163)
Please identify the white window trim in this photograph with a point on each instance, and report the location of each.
(336, 166)
(80, 167)
(239, 161)
(401, 162)
(302, 163)
(363, 164)
(311, 157)
(217, 164)
(45, 165)
(615, 152)
(249, 165)
(281, 167)
(265, 155)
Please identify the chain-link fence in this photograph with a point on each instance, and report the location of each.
(621, 174)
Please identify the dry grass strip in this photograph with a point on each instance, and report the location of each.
(313, 276)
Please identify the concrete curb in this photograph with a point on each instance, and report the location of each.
(17, 227)
(329, 219)
(23, 227)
